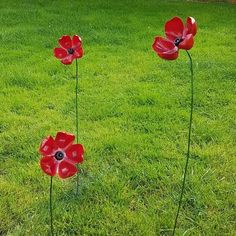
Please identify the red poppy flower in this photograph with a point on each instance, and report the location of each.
(60, 155)
(178, 36)
(70, 49)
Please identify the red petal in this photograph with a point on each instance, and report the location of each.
(78, 53)
(65, 42)
(174, 28)
(75, 153)
(64, 140)
(165, 49)
(66, 170)
(49, 165)
(47, 146)
(187, 42)
(60, 53)
(169, 56)
(76, 41)
(191, 26)
(68, 60)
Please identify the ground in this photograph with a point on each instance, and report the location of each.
(133, 119)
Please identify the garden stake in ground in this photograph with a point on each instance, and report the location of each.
(60, 156)
(179, 37)
(71, 49)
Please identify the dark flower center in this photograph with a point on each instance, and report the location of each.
(59, 155)
(70, 50)
(178, 41)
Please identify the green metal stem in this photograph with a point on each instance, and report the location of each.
(51, 214)
(77, 121)
(189, 144)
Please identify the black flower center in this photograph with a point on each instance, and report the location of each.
(59, 155)
(70, 50)
(178, 41)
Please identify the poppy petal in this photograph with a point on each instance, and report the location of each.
(168, 56)
(76, 41)
(60, 53)
(68, 60)
(64, 140)
(165, 49)
(66, 169)
(65, 42)
(75, 153)
(47, 146)
(78, 53)
(187, 42)
(174, 28)
(49, 165)
(191, 26)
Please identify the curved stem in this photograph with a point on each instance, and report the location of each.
(189, 144)
(76, 117)
(51, 215)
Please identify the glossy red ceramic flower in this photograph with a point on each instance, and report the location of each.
(178, 36)
(60, 155)
(70, 49)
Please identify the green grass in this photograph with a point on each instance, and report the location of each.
(133, 119)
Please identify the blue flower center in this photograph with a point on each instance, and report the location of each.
(59, 155)
(70, 50)
(178, 41)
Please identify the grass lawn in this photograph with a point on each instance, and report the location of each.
(133, 119)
